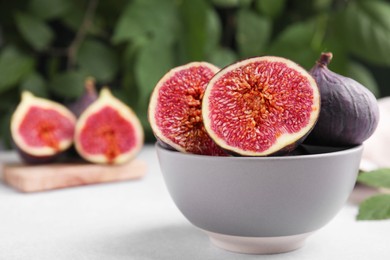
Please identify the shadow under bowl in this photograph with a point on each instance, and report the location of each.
(260, 205)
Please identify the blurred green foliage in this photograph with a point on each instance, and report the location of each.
(50, 46)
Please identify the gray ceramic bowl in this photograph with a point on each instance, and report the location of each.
(260, 205)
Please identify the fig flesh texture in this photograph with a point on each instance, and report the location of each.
(349, 111)
(175, 109)
(41, 129)
(87, 98)
(108, 131)
(260, 106)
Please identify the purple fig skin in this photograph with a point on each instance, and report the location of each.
(89, 96)
(164, 145)
(294, 148)
(349, 111)
(32, 159)
(300, 150)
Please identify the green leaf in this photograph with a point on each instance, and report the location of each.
(322, 5)
(364, 28)
(145, 19)
(128, 81)
(98, 60)
(5, 132)
(13, 67)
(53, 65)
(294, 42)
(193, 33)
(362, 75)
(253, 33)
(49, 9)
(340, 61)
(154, 60)
(8, 100)
(73, 18)
(34, 83)
(375, 208)
(68, 84)
(36, 32)
(222, 57)
(379, 178)
(271, 8)
(213, 31)
(231, 3)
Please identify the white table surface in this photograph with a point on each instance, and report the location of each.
(138, 220)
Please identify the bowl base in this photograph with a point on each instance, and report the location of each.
(258, 245)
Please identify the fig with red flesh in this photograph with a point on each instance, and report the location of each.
(175, 109)
(349, 111)
(87, 98)
(260, 106)
(108, 131)
(41, 129)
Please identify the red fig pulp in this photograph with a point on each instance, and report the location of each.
(175, 109)
(260, 106)
(108, 131)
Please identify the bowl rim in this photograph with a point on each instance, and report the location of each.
(342, 151)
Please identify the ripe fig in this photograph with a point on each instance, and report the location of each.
(41, 129)
(89, 96)
(175, 109)
(108, 131)
(260, 106)
(349, 111)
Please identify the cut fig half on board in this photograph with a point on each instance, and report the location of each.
(108, 131)
(175, 109)
(260, 106)
(41, 129)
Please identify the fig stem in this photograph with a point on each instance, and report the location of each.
(90, 85)
(325, 59)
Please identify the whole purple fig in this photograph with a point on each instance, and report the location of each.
(349, 111)
(89, 96)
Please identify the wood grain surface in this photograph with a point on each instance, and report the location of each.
(32, 178)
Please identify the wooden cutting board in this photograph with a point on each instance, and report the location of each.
(32, 178)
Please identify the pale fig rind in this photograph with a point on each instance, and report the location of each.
(349, 112)
(260, 106)
(34, 153)
(107, 101)
(174, 109)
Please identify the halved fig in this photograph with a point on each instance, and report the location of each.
(175, 109)
(108, 131)
(41, 129)
(260, 106)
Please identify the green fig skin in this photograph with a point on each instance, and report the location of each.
(349, 111)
